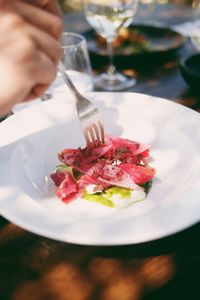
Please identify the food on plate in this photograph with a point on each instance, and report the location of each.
(115, 174)
(127, 37)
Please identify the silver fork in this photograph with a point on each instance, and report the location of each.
(88, 114)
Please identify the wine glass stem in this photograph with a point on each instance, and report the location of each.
(111, 68)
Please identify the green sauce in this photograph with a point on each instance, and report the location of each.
(98, 197)
(124, 193)
(105, 197)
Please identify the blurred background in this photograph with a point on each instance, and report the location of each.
(71, 5)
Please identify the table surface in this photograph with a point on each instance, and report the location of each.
(37, 268)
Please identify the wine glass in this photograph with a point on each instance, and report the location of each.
(107, 17)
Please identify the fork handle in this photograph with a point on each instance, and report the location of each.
(69, 82)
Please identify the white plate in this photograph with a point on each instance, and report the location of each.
(31, 139)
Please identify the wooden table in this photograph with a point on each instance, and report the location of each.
(37, 268)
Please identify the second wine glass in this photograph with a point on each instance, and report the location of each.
(107, 17)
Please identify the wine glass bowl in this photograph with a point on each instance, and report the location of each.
(107, 18)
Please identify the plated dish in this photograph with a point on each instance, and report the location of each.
(115, 173)
(28, 154)
(136, 42)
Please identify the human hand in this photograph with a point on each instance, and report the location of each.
(29, 52)
(51, 6)
(43, 14)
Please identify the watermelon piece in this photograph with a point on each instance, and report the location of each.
(114, 175)
(82, 159)
(139, 174)
(126, 150)
(58, 177)
(68, 189)
(104, 175)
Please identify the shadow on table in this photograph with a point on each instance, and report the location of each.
(36, 268)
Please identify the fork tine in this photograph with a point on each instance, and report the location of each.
(92, 135)
(102, 132)
(96, 130)
(99, 130)
(87, 138)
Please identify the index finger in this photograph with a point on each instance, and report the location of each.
(39, 18)
(51, 6)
